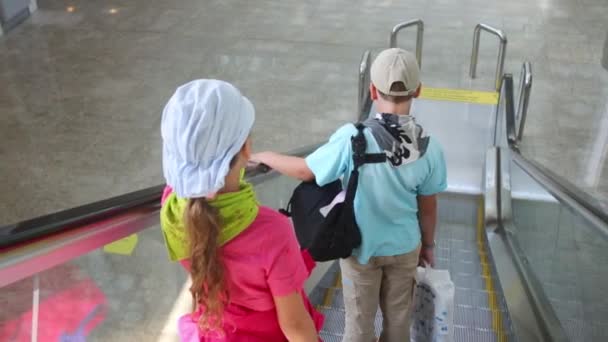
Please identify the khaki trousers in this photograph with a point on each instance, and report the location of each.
(387, 282)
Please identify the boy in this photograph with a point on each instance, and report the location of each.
(395, 206)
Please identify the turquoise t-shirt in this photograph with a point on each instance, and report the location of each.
(385, 205)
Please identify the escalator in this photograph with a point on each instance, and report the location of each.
(480, 309)
(524, 247)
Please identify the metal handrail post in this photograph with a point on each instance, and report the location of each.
(419, 36)
(363, 82)
(501, 52)
(524, 98)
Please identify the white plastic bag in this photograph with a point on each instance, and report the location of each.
(433, 306)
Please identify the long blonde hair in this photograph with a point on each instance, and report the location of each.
(203, 225)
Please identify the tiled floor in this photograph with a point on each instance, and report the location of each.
(83, 83)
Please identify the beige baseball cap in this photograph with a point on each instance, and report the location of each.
(395, 65)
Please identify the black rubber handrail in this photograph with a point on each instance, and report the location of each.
(562, 189)
(566, 192)
(36, 228)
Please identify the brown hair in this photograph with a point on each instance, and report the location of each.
(203, 225)
(396, 86)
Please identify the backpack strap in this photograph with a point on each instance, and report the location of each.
(359, 145)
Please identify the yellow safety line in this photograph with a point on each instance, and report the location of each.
(338, 282)
(329, 292)
(497, 319)
(327, 298)
(460, 95)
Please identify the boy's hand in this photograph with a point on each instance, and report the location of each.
(257, 158)
(291, 166)
(427, 257)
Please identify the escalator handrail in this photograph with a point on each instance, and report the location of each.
(35, 229)
(79, 231)
(563, 190)
(548, 323)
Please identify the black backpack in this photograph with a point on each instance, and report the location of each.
(337, 234)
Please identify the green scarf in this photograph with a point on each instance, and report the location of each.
(237, 211)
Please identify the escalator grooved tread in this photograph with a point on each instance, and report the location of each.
(474, 318)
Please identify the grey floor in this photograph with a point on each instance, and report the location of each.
(81, 91)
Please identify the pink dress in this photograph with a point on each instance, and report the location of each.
(262, 262)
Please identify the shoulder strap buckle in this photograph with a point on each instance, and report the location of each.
(359, 146)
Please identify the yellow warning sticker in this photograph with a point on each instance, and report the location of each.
(460, 95)
(124, 246)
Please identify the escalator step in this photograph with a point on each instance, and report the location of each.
(334, 321)
(329, 337)
(466, 268)
(466, 281)
(329, 279)
(457, 255)
(477, 299)
(481, 319)
(473, 317)
(332, 298)
(466, 334)
(457, 251)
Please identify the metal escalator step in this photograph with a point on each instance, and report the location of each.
(466, 268)
(482, 320)
(333, 329)
(442, 263)
(334, 321)
(463, 245)
(329, 279)
(328, 337)
(472, 317)
(443, 244)
(333, 298)
(464, 233)
(442, 253)
(466, 334)
(458, 255)
(316, 296)
(479, 315)
(466, 281)
(477, 299)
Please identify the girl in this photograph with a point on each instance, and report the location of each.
(246, 266)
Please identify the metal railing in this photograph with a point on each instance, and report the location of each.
(562, 189)
(544, 324)
(501, 52)
(525, 87)
(364, 81)
(507, 93)
(419, 36)
(33, 246)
